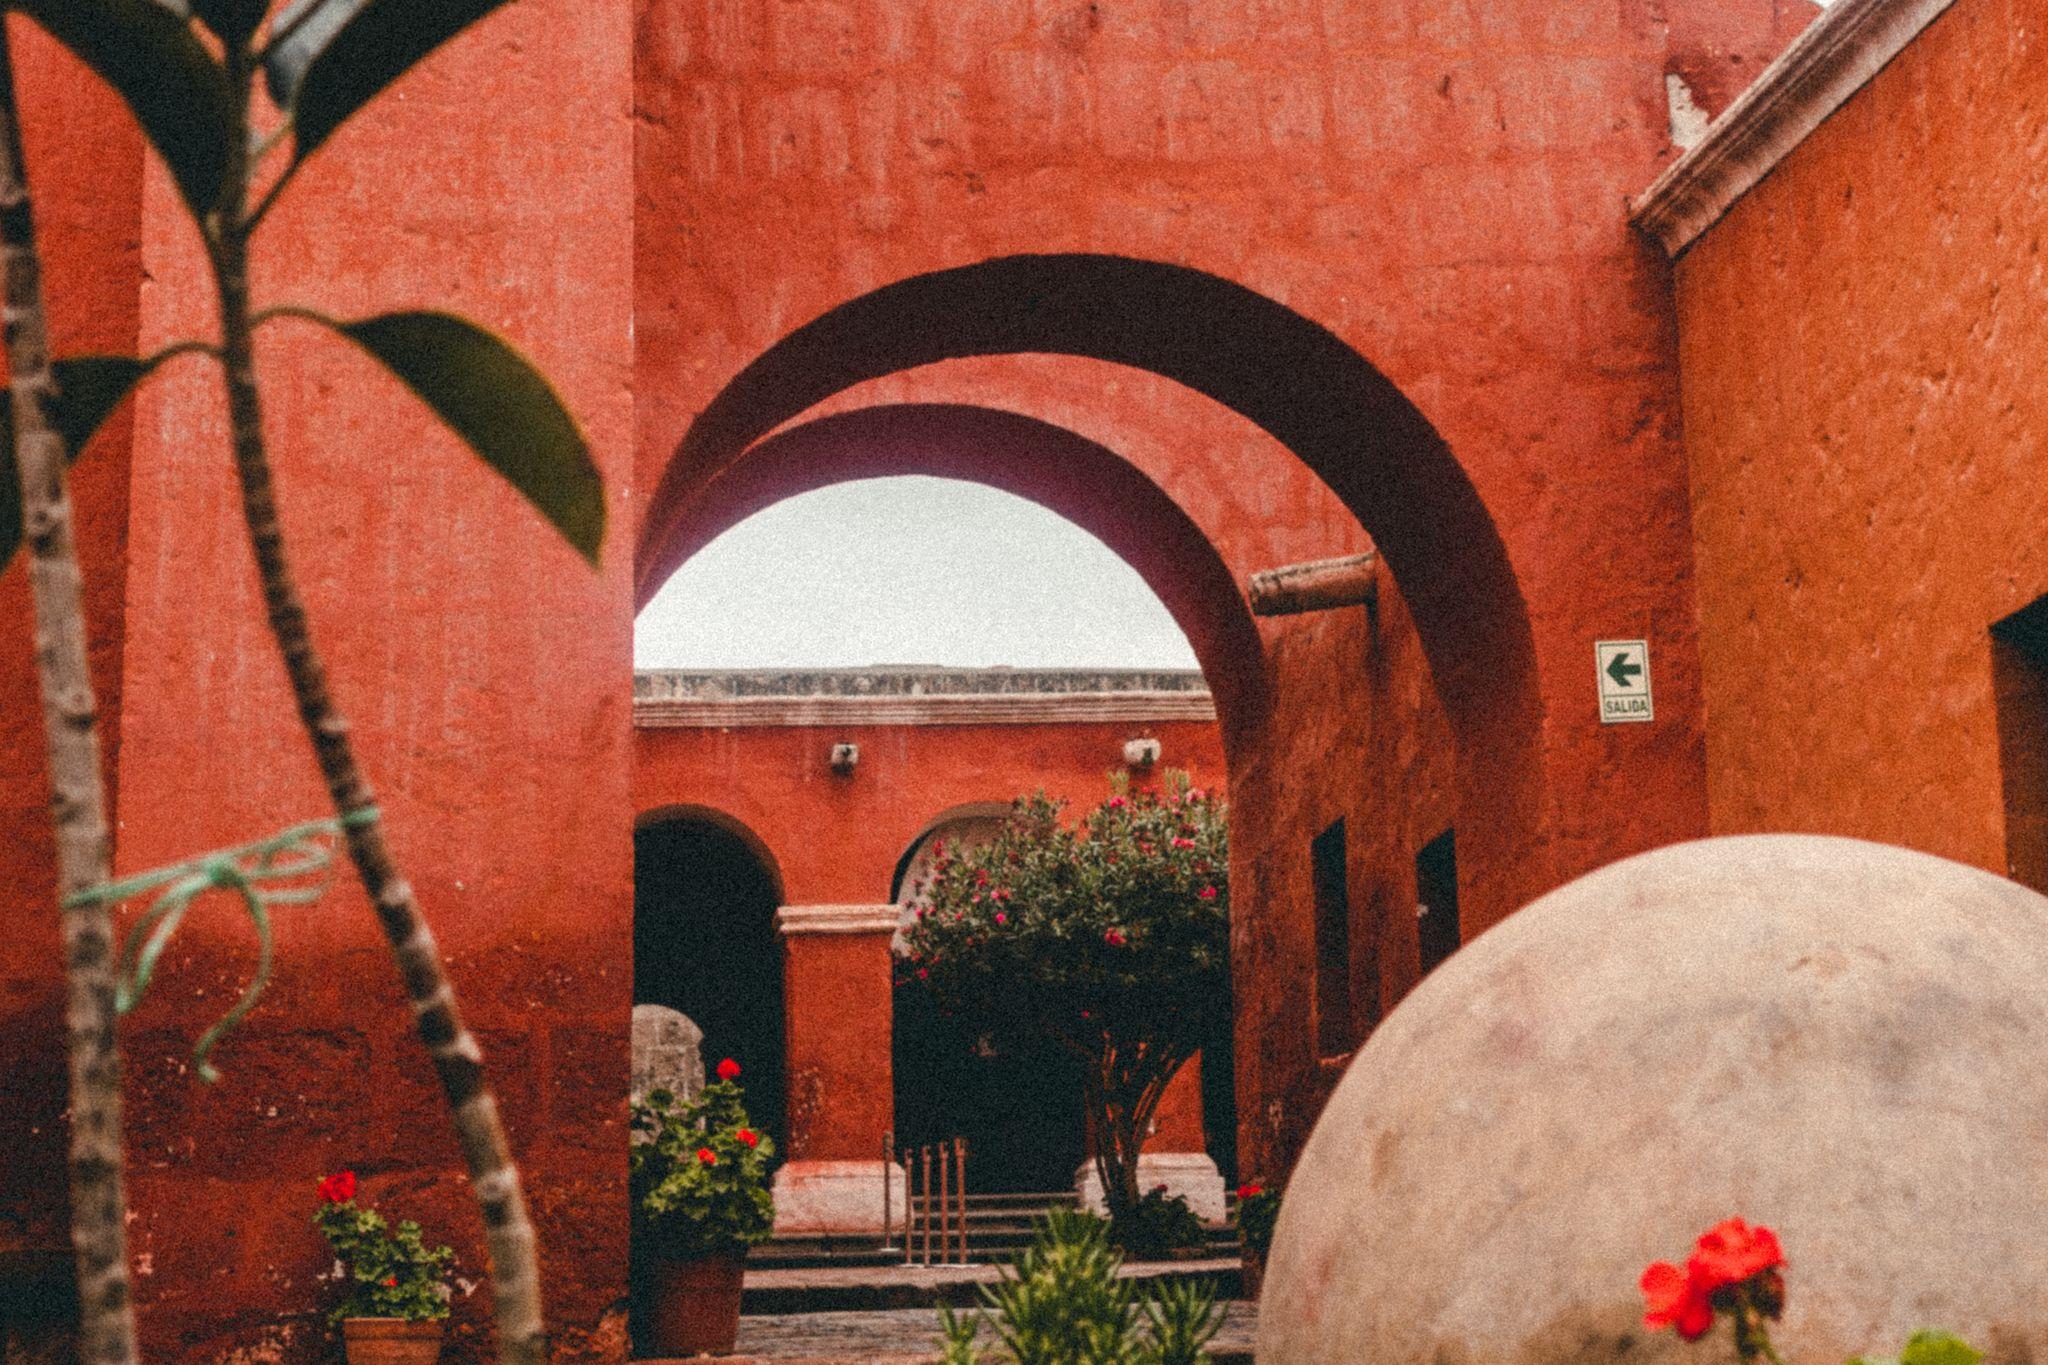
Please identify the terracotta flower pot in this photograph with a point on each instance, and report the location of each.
(391, 1341)
(693, 1307)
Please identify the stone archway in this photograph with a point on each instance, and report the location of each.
(1293, 378)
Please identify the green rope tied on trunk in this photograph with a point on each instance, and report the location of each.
(288, 868)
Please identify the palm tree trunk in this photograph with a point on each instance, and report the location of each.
(515, 1276)
(77, 799)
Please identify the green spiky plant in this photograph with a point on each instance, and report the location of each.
(194, 73)
(1063, 1303)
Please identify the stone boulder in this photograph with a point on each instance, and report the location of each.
(668, 1052)
(1845, 1041)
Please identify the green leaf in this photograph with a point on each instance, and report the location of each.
(1939, 1348)
(233, 20)
(345, 54)
(504, 408)
(89, 388)
(178, 92)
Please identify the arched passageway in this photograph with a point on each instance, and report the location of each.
(704, 942)
(1291, 377)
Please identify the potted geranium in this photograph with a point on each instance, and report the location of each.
(1258, 1208)
(397, 1303)
(699, 1180)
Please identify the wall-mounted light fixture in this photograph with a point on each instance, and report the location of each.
(1141, 753)
(844, 757)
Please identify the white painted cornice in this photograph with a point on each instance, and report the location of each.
(1012, 708)
(1840, 51)
(839, 919)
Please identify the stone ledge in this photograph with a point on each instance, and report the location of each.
(839, 919)
(1840, 51)
(1023, 708)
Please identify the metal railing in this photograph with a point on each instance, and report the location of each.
(935, 1208)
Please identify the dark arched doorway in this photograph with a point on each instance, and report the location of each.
(704, 942)
(1017, 1105)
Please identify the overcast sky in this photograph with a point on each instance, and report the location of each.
(907, 571)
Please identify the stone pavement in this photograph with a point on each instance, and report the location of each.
(909, 1336)
(867, 1289)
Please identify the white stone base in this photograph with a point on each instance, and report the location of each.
(837, 1198)
(1191, 1175)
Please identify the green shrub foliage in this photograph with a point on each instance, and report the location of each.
(1062, 1304)
(699, 1174)
(1157, 1224)
(388, 1274)
(1111, 938)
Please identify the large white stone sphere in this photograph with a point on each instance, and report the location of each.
(1845, 1041)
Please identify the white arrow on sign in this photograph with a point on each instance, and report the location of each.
(1623, 672)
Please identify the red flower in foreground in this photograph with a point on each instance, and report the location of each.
(1250, 1191)
(1732, 1251)
(750, 1137)
(707, 1156)
(391, 1282)
(1114, 938)
(1208, 893)
(338, 1188)
(728, 1070)
(1674, 1298)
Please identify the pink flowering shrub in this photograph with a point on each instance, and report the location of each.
(1110, 938)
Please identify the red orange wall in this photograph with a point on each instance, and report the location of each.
(85, 164)
(837, 840)
(1861, 340)
(486, 671)
(1439, 183)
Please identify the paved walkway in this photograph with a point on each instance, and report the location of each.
(908, 1336)
(829, 1289)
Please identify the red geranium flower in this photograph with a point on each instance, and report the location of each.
(391, 1282)
(750, 1137)
(1731, 1251)
(338, 1188)
(1114, 938)
(1250, 1191)
(1676, 1298)
(707, 1156)
(1208, 893)
(728, 1070)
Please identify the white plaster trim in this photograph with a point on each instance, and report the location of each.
(1070, 708)
(839, 919)
(837, 1198)
(1840, 51)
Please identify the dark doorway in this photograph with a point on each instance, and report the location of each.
(704, 942)
(1330, 872)
(2019, 673)
(1436, 900)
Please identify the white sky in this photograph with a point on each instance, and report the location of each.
(907, 571)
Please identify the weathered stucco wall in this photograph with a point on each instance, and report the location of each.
(85, 162)
(837, 840)
(486, 673)
(1861, 341)
(1438, 184)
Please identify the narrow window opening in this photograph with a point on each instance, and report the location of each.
(1436, 900)
(2019, 674)
(1327, 856)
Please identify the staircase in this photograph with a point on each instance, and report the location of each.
(998, 1227)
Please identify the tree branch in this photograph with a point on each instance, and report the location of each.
(77, 799)
(458, 1060)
